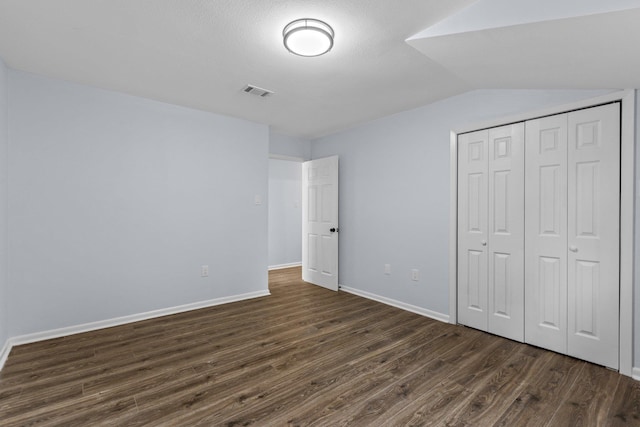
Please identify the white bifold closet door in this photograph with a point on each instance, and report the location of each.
(491, 230)
(572, 233)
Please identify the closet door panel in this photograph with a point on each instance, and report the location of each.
(546, 233)
(473, 151)
(506, 231)
(593, 238)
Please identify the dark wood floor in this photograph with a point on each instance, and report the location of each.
(305, 356)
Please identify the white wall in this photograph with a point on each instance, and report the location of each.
(116, 201)
(394, 191)
(285, 214)
(4, 330)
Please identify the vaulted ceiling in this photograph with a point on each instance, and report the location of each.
(388, 56)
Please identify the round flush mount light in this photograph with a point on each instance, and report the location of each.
(308, 37)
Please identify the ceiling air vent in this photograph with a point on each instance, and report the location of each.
(257, 91)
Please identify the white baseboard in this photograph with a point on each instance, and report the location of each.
(636, 374)
(87, 327)
(281, 266)
(4, 353)
(398, 304)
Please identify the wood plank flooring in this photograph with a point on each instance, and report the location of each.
(305, 356)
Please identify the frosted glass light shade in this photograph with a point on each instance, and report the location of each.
(308, 37)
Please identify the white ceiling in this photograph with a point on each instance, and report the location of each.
(485, 14)
(547, 49)
(201, 53)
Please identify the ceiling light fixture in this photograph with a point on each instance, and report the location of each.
(308, 37)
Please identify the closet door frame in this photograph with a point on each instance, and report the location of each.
(627, 99)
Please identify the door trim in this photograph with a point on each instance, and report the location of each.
(627, 207)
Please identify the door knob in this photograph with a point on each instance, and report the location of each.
(573, 248)
(334, 230)
(484, 243)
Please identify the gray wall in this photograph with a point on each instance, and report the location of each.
(394, 191)
(4, 135)
(285, 145)
(285, 213)
(116, 201)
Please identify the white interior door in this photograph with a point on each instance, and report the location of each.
(506, 231)
(473, 154)
(491, 230)
(573, 233)
(594, 234)
(546, 233)
(320, 222)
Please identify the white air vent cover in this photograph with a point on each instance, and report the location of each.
(258, 91)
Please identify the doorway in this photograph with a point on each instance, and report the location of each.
(284, 213)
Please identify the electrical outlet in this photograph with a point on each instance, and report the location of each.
(415, 275)
(204, 271)
(387, 269)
